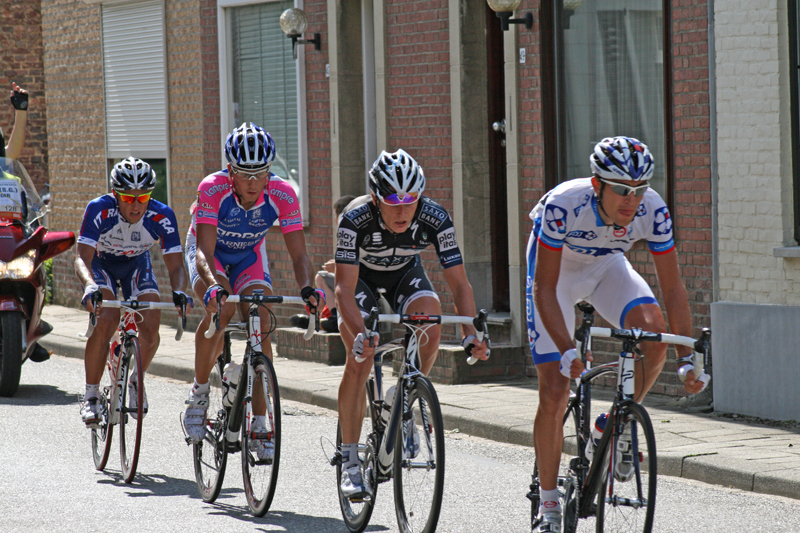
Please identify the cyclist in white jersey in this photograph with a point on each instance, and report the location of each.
(581, 230)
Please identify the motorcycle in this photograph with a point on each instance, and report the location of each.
(25, 244)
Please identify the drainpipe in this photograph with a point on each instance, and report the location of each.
(712, 111)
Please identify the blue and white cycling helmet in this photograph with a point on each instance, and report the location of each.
(396, 178)
(133, 174)
(622, 158)
(250, 148)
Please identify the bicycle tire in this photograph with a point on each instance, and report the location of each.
(419, 480)
(102, 436)
(356, 514)
(130, 427)
(210, 455)
(261, 477)
(624, 517)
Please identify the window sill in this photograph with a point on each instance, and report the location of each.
(786, 251)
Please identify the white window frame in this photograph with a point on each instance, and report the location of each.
(226, 105)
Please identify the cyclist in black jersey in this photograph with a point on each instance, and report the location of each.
(380, 237)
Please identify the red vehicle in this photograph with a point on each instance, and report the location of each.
(25, 244)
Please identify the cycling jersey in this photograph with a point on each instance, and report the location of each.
(238, 229)
(105, 230)
(363, 239)
(568, 218)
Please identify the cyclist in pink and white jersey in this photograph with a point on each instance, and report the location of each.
(226, 251)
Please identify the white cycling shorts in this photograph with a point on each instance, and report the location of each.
(610, 284)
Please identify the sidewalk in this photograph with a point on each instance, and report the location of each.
(693, 445)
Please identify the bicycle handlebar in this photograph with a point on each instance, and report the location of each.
(261, 299)
(478, 322)
(135, 305)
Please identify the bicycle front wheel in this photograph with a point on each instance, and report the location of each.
(626, 502)
(260, 471)
(131, 416)
(210, 455)
(102, 435)
(419, 460)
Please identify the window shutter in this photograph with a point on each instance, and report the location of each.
(135, 80)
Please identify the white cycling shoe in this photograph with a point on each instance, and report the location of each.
(194, 418)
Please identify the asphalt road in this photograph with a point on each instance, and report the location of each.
(49, 482)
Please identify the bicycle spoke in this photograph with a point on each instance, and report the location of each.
(131, 419)
(210, 456)
(419, 461)
(102, 436)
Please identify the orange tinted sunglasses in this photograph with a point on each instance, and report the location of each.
(131, 198)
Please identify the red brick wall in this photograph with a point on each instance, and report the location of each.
(21, 58)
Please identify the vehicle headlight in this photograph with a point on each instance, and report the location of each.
(19, 268)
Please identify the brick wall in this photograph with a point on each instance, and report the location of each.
(754, 172)
(21, 60)
(73, 67)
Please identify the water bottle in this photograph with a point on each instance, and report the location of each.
(597, 434)
(230, 379)
(387, 404)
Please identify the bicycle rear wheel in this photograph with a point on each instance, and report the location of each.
(210, 455)
(356, 513)
(626, 503)
(102, 435)
(419, 477)
(261, 476)
(130, 427)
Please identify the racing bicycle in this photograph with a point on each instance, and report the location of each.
(407, 443)
(231, 414)
(617, 484)
(117, 408)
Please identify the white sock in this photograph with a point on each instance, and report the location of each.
(548, 501)
(260, 421)
(92, 391)
(205, 388)
(349, 455)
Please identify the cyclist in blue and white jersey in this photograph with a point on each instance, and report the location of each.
(117, 231)
(226, 252)
(581, 230)
(380, 237)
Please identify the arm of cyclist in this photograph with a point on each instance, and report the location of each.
(83, 269)
(456, 278)
(346, 281)
(676, 303)
(303, 272)
(206, 269)
(548, 266)
(177, 280)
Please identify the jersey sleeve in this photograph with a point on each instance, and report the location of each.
(446, 244)
(552, 223)
(168, 231)
(92, 220)
(209, 195)
(288, 206)
(347, 242)
(660, 240)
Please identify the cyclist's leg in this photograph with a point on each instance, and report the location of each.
(625, 299)
(414, 294)
(140, 282)
(207, 350)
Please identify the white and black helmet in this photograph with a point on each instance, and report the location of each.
(250, 148)
(622, 158)
(398, 174)
(133, 174)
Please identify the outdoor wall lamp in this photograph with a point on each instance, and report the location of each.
(504, 10)
(294, 23)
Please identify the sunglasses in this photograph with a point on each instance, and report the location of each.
(625, 190)
(260, 175)
(393, 199)
(131, 198)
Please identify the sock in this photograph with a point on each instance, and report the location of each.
(549, 502)
(205, 388)
(349, 455)
(92, 391)
(260, 421)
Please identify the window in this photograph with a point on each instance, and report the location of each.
(262, 83)
(136, 86)
(794, 84)
(610, 81)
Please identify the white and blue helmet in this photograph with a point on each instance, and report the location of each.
(622, 158)
(132, 174)
(250, 148)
